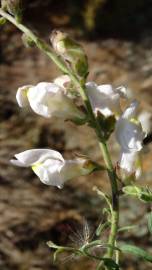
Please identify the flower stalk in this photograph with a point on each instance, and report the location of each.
(93, 121)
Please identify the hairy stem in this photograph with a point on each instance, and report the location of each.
(103, 146)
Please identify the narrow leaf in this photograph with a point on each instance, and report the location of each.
(149, 217)
(110, 264)
(127, 228)
(139, 252)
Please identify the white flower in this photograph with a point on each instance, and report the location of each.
(105, 98)
(63, 81)
(51, 167)
(48, 99)
(129, 135)
(145, 119)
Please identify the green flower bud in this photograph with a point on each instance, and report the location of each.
(71, 52)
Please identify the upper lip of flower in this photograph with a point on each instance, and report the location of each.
(105, 98)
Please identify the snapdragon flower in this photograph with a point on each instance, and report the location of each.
(51, 167)
(129, 135)
(48, 99)
(105, 99)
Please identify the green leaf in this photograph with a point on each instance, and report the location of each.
(127, 228)
(149, 217)
(139, 252)
(102, 227)
(110, 264)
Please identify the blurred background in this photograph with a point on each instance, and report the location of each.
(117, 37)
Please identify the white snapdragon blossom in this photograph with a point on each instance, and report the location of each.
(105, 99)
(129, 135)
(48, 99)
(51, 167)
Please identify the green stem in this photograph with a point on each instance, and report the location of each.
(103, 146)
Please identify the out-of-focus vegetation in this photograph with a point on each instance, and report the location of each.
(114, 18)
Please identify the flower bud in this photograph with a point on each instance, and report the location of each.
(71, 52)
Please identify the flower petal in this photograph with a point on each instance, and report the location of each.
(104, 98)
(17, 163)
(106, 89)
(21, 95)
(131, 111)
(128, 161)
(49, 172)
(145, 119)
(63, 81)
(30, 157)
(129, 135)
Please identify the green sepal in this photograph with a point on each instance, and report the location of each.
(143, 194)
(107, 124)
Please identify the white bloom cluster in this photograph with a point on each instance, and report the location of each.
(51, 99)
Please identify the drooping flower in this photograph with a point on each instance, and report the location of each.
(105, 99)
(51, 167)
(48, 99)
(129, 135)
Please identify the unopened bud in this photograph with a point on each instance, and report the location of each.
(71, 51)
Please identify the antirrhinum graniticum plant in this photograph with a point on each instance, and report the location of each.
(102, 111)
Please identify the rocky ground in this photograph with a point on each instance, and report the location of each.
(31, 213)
